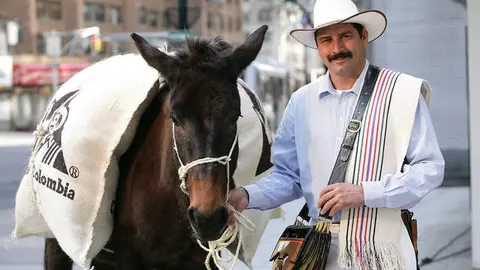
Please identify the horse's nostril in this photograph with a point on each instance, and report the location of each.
(208, 227)
(223, 215)
(192, 213)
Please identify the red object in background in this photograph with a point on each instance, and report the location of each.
(41, 74)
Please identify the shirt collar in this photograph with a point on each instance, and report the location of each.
(326, 87)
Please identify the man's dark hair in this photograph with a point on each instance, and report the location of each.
(359, 28)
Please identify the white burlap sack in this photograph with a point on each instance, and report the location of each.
(68, 189)
(88, 125)
(29, 221)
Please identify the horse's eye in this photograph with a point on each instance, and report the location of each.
(175, 120)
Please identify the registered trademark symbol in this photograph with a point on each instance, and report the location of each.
(74, 172)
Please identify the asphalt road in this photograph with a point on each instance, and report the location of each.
(13, 162)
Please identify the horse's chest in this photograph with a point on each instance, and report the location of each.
(163, 227)
(168, 241)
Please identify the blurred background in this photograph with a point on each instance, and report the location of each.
(45, 42)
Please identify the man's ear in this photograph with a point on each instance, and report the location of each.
(365, 37)
(365, 34)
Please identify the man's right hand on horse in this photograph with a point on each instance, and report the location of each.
(238, 198)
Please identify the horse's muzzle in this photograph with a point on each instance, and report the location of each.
(208, 227)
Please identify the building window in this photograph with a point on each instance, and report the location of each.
(143, 15)
(152, 18)
(116, 15)
(50, 10)
(166, 19)
(41, 47)
(94, 12)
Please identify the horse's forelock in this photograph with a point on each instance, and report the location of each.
(204, 55)
(201, 79)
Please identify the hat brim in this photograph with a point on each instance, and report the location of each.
(373, 20)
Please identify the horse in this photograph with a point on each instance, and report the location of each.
(156, 223)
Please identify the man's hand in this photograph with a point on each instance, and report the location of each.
(238, 198)
(340, 196)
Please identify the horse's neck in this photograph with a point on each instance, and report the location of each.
(168, 163)
(159, 147)
(150, 158)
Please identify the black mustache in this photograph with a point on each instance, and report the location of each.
(343, 54)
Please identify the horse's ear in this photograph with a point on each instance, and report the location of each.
(244, 54)
(153, 56)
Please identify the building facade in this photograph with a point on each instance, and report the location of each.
(283, 64)
(118, 16)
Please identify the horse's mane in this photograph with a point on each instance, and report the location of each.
(203, 53)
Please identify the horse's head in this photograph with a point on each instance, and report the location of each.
(204, 106)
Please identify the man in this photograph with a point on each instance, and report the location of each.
(310, 136)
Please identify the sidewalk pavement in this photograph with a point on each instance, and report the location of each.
(9, 138)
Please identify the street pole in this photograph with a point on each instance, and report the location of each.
(182, 14)
(54, 50)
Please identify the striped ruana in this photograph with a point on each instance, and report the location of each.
(375, 238)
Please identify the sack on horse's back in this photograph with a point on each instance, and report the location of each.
(254, 144)
(68, 189)
(70, 183)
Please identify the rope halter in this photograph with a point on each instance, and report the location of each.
(230, 234)
(183, 170)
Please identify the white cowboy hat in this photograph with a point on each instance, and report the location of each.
(329, 12)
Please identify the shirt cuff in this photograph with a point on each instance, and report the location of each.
(255, 196)
(374, 194)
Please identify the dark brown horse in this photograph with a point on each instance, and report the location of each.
(156, 224)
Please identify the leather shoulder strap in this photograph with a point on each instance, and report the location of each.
(354, 126)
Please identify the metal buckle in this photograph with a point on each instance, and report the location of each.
(354, 126)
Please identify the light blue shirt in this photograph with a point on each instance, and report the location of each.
(314, 121)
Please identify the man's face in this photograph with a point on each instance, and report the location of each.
(342, 49)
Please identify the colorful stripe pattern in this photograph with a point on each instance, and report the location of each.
(369, 153)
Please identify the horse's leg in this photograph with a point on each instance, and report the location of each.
(54, 258)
